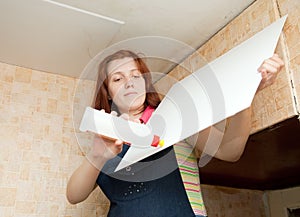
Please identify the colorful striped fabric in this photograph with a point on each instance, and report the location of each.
(188, 167)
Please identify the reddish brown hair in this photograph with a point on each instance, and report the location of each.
(102, 101)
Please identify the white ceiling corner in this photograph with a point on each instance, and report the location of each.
(62, 36)
(52, 38)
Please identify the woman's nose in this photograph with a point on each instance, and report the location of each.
(129, 83)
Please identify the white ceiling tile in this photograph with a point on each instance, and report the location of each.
(48, 37)
(62, 36)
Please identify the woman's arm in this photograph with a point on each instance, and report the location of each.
(83, 180)
(227, 139)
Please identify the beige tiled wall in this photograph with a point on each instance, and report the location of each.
(39, 149)
(275, 103)
(292, 41)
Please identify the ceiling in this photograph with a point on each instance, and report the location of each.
(63, 36)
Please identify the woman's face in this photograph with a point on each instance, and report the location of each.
(126, 85)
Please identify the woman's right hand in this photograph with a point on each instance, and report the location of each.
(105, 148)
(83, 180)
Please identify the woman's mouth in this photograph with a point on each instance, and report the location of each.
(130, 93)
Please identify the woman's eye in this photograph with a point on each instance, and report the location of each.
(116, 79)
(137, 76)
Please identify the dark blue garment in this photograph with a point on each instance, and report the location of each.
(150, 188)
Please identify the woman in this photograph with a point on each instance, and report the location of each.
(125, 87)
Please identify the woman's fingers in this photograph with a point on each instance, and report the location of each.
(118, 142)
(276, 58)
(137, 121)
(273, 64)
(106, 147)
(114, 113)
(125, 116)
(269, 69)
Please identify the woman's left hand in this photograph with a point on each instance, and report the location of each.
(269, 70)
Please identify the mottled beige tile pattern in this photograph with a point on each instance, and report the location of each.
(292, 39)
(8, 196)
(275, 103)
(39, 149)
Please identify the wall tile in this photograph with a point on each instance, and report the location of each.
(7, 196)
(23, 75)
(25, 207)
